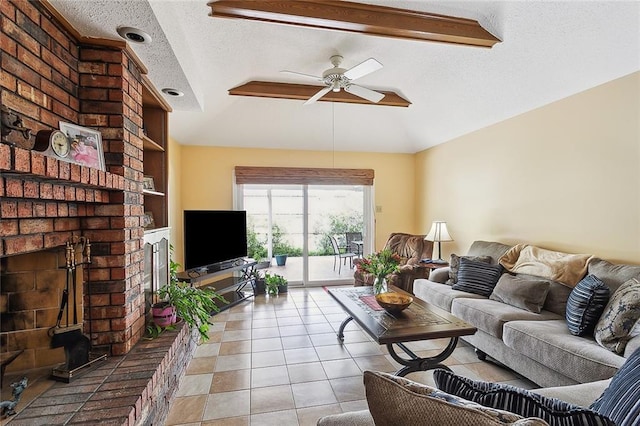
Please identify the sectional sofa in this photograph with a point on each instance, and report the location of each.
(537, 345)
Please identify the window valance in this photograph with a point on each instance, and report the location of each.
(303, 175)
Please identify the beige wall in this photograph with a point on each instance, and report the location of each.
(175, 200)
(565, 176)
(205, 180)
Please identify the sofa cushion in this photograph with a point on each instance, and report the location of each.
(477, 277)
(454, 265)
(585, 305)
(518, 401)
(550, 343)
(613, 275)
(520, 292)
(488, 248)
(440, 295)
(557, 298)
(621, 400)
(618, 321)
(491, 315)
(396, 401)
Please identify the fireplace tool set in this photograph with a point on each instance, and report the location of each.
(77, 346)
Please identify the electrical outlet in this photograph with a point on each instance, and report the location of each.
(378, 209)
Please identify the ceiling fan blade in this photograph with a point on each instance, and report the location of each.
(299, 74)
(318, 95)
(363, 92)
(362, 69)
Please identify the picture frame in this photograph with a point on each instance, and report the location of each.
(147, 221)
(148, 183)
(86, 146)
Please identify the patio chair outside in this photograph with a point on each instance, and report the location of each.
(339, 256)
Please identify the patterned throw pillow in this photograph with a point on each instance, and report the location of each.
(615, 327)
(396, 401)
(518, 401)
(477, 277)
(454, 265)
(621, 400)
(585, 305)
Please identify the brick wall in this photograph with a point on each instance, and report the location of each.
(49, 76)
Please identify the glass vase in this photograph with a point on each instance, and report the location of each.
(380, 285)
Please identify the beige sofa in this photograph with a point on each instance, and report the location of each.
(538, 346)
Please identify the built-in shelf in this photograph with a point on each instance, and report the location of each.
(155, 115)
(151, 145)
(150, 192)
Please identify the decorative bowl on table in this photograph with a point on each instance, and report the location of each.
(394, 302)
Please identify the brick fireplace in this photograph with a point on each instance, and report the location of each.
(50, 74)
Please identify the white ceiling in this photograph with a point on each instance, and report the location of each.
(549, 50)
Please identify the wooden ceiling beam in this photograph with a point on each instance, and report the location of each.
(359, 18)
(267, 89)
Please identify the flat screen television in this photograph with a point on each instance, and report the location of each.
(213, 237)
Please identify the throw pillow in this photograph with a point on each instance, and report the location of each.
(585, 305)
(523, 293)
(620, 401)
(477, 277)
(518, 401)
(454, 265)
(615, 326)
(396, 401)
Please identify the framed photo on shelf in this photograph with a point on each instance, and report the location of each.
(147, 221)
(85, 146)
(148, 183)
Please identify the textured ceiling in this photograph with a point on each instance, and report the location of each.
(549, 50)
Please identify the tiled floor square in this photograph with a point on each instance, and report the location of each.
(225, 381)
(308, 394)
(227, 404)
(265, 399)
(267, 359)
(269, 376)
(307, 372)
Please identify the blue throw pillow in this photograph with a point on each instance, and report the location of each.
(477, 277)
(585, 305)
(621, 400)
(519, 401)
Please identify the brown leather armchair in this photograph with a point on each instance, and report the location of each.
(411, 249)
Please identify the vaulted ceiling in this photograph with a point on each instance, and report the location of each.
(548, 51)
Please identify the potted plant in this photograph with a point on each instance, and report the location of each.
(274, 283)
(259, 285)
(193, 305)
(281, 259)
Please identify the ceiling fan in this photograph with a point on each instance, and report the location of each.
(337, 78)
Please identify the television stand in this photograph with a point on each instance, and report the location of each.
(229, 279)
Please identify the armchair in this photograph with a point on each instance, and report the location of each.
(411, 249)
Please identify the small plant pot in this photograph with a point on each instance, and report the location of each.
(281, 259)
(260, 286)
(282, 289)
(164, 315)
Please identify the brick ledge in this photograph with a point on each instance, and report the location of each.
(127, 390)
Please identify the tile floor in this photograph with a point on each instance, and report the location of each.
(277, 361)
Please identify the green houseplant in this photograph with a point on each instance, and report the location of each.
(194, 305)
(274, 282)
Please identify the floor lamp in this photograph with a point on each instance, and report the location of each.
(439, 233)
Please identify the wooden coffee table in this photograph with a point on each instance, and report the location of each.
(420, 321)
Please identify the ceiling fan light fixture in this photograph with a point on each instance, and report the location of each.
(134, 35)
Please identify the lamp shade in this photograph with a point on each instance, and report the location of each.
(438, 232)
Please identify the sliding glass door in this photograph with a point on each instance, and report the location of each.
(300, 221)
